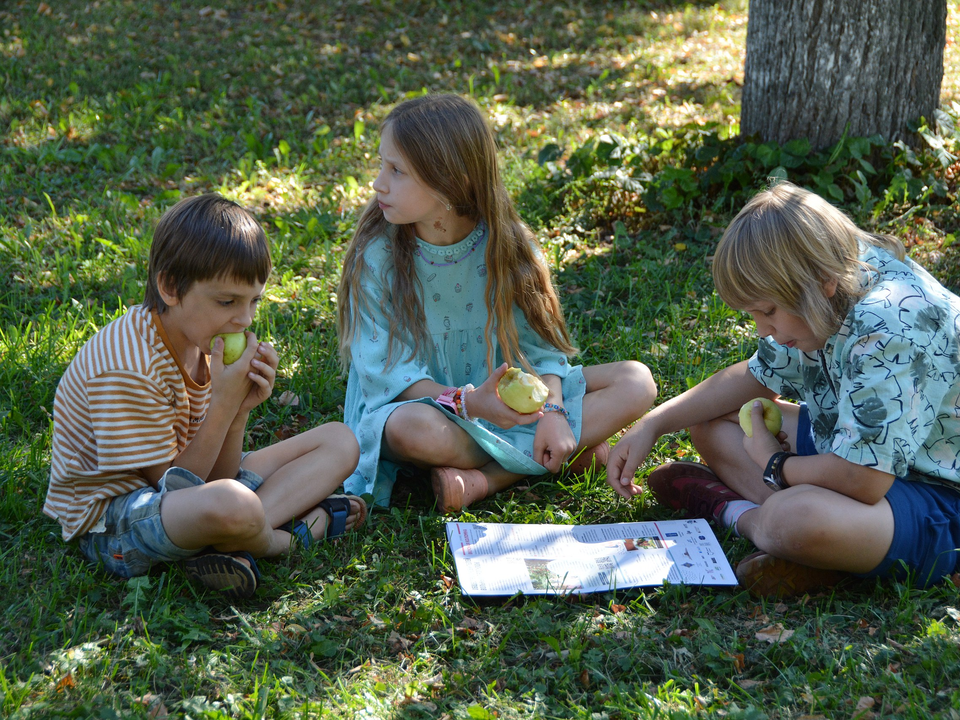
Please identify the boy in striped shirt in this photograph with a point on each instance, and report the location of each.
(147, 462)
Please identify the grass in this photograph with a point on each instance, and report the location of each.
(607, 114)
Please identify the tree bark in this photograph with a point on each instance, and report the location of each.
(817, 68)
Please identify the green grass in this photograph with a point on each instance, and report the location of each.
(615, 121)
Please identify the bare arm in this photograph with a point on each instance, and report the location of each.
(826, 470)
(718, 395)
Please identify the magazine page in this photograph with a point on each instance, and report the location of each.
(505, 559)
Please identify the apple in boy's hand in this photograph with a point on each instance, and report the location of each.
(772, 417)
(522, 391)
(233, 346)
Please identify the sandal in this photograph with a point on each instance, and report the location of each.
(338, 508)
(224, 572)
(456, 489)
(766, 576)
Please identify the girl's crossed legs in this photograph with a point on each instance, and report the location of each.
(616, 395)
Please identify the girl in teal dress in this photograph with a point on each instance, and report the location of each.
(443, 289)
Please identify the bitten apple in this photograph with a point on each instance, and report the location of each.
(233, 346)
(522, 391)
(772, 417)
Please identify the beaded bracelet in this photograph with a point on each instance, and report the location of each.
(553, 407)
(463, 402)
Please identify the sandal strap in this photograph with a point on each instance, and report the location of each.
(338, 508)
(299, 530)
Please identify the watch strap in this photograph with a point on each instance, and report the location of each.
(773, 473)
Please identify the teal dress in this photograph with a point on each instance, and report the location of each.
(453, 280)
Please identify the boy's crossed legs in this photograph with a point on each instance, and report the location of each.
(238, 518)
(817, 528)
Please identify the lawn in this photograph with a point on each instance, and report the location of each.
(618, 126)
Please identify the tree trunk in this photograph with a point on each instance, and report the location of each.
(816, 68)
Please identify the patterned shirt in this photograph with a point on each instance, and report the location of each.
(884, 392)
(124, 403)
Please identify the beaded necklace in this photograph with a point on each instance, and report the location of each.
(482, 234)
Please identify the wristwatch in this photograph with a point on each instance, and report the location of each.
(773, 475)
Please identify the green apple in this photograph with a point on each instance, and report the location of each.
(522, 391)
(772, 417)
(233, 346)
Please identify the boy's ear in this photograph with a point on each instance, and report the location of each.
(167, 290)
(830, 287)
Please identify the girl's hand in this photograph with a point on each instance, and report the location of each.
(763, 444)
(626, 456)
(484, 402)
(553, 442)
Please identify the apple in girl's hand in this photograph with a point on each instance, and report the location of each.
(772, 417)
(522, 391)
(233, 346)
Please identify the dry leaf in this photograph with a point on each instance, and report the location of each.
(447, 581)
(155, 707)
(865, 703)
(617, 609)
(288, 398)
(65, 683)
(748, 684)
(774, 634)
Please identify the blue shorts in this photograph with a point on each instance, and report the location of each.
(926, 523)
(134, 538)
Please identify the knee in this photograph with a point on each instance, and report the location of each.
(793, 525)
(233, 510)
(639, 387)
(339, 441)
(413, 431)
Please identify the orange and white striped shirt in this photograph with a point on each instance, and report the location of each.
(124, 403)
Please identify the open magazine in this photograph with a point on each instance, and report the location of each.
(505, 559)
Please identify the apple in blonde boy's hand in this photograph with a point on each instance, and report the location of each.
(233, 346)
(522, 391)
(772, 417)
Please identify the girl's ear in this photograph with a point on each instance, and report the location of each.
(167, 290)
(830, 287)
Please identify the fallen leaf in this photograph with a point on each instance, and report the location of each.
(617, 609)
(748, 684)
(774, 634)
(585, 678)
(288, 398)
(447, 581)
(65, 683)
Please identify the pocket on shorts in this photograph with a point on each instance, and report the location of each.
(107, 550)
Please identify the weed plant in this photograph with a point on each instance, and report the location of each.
(618, 128)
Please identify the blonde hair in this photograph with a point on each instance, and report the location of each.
(784, 245)
(450, 149)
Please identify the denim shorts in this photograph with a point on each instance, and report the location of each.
(926, 523)
(133, 538)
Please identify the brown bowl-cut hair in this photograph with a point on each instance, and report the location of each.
(205, 237)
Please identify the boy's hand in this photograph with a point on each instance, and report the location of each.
(246, 383)
(263, 374)
(484, 402)
(626, 456)
(763, 444)
(553, 443)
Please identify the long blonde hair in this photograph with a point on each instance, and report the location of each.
(784, 246)
(450, 149)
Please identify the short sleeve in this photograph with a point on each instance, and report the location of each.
(380, 381)
(543, 357)
(885, 404)
(134, 421)
(779, 369)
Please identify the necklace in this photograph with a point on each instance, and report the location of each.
(481, 235)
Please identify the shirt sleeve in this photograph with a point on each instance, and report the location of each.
(885, 409)
(544, 358)
(779, 369)
(380, 381)
(133, 421)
